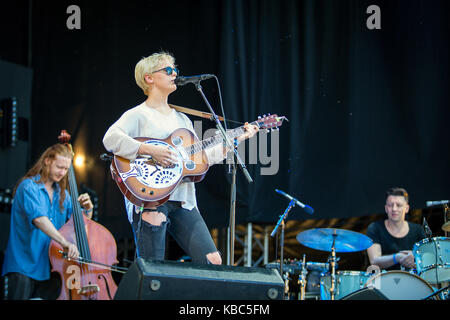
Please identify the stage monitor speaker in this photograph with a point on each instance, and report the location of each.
(169, 280)
(368, 293)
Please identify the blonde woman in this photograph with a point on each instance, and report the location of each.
(154, 118)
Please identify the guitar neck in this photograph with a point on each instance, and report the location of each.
(215, 140)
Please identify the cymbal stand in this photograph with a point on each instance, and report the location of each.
(446, 217)
(333, 267)
(281, 221)
(302, 279)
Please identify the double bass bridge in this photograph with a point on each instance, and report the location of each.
(88, 290)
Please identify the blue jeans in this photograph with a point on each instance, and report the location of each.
(187, 227)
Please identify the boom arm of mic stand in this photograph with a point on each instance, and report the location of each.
(230, 145)
(219, 126)
(283, 216)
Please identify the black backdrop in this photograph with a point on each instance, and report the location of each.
(368, 109)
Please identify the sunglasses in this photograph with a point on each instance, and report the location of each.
(168, 70)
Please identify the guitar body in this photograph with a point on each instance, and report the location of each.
(147, 184)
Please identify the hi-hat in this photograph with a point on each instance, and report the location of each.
(344, 240)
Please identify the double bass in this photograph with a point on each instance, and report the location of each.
(88, 277)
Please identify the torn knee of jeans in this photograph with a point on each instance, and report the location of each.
(154, 218)
(214, 257)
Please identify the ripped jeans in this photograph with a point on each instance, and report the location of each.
(187, 227)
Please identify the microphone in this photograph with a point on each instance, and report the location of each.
(181, 81)
(427, 228)
(307, 208)
(437, 203)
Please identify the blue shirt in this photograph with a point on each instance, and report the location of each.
(27, 250)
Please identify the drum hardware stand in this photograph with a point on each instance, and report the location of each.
(333, 267)
(281, 221)
(238, 159)
(302, 279)
(446, 218)
(437, 292)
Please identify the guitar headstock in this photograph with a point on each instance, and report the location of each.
(270, 121)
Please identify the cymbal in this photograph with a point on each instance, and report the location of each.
(446, 226)
(345, 240)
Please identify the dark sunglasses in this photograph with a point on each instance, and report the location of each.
(169, 70)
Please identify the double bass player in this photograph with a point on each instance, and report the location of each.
(41, 206)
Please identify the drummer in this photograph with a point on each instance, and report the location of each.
(394, 237)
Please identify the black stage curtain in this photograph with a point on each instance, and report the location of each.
(368, 109)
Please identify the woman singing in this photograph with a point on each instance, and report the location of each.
(154, 118)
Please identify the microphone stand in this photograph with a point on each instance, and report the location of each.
(238, 159)
(281, 221)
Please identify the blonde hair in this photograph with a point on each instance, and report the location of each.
(148, 65)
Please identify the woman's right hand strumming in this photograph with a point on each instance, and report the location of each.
(162, 155)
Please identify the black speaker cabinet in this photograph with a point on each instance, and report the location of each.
(169, 280)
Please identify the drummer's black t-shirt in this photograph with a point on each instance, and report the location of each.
(389, 245)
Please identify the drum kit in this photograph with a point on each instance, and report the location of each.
(428, 281)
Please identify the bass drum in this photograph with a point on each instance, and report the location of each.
(400, 285)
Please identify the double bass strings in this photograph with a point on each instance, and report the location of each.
(79, 226)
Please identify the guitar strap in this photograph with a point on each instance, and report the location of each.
(194, 112)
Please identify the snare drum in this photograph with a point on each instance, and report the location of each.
(346, 283)
(400, 285)
(433, 259)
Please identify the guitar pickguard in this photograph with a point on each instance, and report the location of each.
(151, 174)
